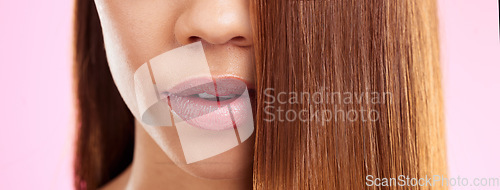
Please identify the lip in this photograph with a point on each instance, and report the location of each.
(228, 107)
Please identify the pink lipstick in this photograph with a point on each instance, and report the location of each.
(212, 104)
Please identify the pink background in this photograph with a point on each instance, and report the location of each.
(36, 111)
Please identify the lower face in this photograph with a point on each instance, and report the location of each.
(137, 32)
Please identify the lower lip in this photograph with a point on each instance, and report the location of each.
(215, 115)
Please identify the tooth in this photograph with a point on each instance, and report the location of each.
(212, 97)
(205, 95)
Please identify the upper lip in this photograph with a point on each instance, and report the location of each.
(220, 86)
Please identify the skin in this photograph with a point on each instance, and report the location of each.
(136, 31)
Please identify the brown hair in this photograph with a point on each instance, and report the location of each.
(360, 46)
(347, 46)
(105, 126)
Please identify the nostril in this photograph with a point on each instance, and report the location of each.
(241, 41)
(238, 39)
(193, 39)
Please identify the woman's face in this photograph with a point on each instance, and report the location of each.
(137, 32)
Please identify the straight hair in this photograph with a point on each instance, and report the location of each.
(105, 125)
(348, 46)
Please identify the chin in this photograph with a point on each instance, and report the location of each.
(235, 163)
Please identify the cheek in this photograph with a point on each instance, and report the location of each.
(134, 32)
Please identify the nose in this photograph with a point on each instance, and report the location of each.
(216, 22)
